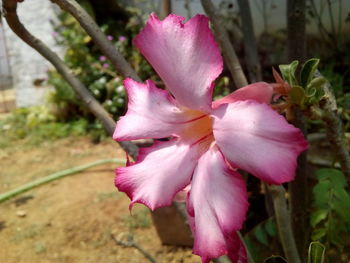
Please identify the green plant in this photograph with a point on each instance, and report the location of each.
(92, 68)
(37, 124)
(330, 218)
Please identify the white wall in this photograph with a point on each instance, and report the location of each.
(276, 13)
(26, 64)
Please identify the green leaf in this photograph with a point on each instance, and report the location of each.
(297, 95)
(308, 71)
(317, 82)
(343, 197)
(316, 253)
(342, 210)
(270, 227)
(335, 176)
(319, 93)
(318, 216)
(275, 259)
(260, 235)
(318, 234)
(310, 92)
(321, 193)
(288, 72)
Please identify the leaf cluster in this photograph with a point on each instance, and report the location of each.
(95, 71)
(330, 218)
(307, 89)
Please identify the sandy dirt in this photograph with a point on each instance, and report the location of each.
(72, 219)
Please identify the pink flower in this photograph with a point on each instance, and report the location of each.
(110, 38)
(102, 58)
(209, 140)
(122, 38)
(105, 65)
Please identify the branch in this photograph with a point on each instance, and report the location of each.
(298, 189)
(131, 243)
(334, 128)
(106, 46)
(227, 49)
(250, 47)
(165, 8)
(10, 13)
(284, 223)
(296, 20)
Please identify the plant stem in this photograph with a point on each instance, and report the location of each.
(230, 56)
(54, 176)
(165, 8)
(284, 224)
(298, 189)
(106, 46)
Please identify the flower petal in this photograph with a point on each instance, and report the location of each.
(152, 113)
(255, 138)
(161, 171)
(260, 91)
(236, 249)
(185, 56)
(218, 203)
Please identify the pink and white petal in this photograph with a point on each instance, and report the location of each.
(185, 56)
(237, 251)
(257, 139)
(260, 92)
(161, 171)
(152, 113)
(218, 203)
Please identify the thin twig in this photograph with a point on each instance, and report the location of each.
(106, 46)
(230, 56)
(131, 243)
(331, 18)
(321, 26)
(284, 223)
(10, 13)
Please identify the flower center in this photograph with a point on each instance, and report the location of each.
(198, 129)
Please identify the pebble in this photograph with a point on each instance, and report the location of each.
(21, 213)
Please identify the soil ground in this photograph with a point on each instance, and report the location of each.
(72, 219)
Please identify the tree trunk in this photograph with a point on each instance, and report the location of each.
(250, 47)
(298, 189)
